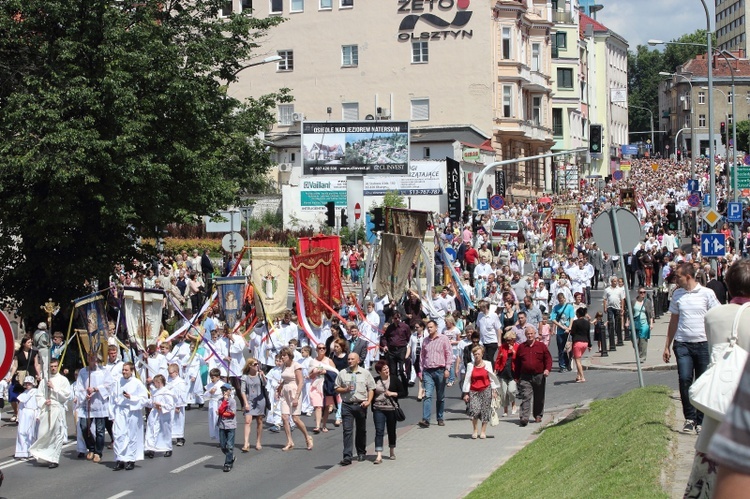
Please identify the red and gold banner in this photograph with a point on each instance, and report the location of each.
(332, 243)
(316, 270)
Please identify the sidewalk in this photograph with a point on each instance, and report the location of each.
(624, 358)
(428, 464)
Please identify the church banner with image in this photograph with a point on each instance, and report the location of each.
(143, 326)
(397, 254)
(231, 292)
(316, 271)
(271, 279)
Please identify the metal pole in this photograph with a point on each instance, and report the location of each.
(618, 250)
(711, 149)
(676, 136)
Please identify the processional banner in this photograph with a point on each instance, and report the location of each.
(397, 255)
(315, 274)
(231, 294)
(271, 279)
(143, 312)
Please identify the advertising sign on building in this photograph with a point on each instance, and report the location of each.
(315, 193)
(423, 179)
(471, 154)
(367, 147)
(453, 174)
(500, 182)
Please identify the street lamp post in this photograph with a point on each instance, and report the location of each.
(653, 144)
(733, 183)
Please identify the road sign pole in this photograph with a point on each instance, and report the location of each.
(633, 333)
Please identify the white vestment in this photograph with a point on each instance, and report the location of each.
(28, 412)
(178, 387)
(51, 436)
(127, 427)
(159, 424)
(213, 399)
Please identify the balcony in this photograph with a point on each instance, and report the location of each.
(562, 17)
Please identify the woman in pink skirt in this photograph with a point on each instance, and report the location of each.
(580, 332)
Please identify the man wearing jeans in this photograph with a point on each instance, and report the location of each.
(357, 388)
(689, 305)
(435, 360)
(614, 304)
(93, 389)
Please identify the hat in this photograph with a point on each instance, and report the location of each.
(29, 379)
(226, 386)
(41, 325)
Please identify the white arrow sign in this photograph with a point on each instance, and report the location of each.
(717, 246)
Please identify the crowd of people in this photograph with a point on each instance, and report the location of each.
(526, 298)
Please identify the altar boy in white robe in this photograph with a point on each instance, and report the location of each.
(159, 424)
(213, 396)
(179, 391)
(28, 414)
(128, 401)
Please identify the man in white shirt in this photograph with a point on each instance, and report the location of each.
(93, 386)
(687, 337)
(490, 329)
(483, 269)
(614, 304)
(234, 346)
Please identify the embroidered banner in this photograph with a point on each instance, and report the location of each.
(143, 308)
(397, 255)
(92, 318)
(271, 279)
(330, 243)
(315, 269)
(231, 292)
(409, 222)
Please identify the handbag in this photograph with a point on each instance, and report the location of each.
(568, 344)
(713, 392)
(398, 411)
(494, 418)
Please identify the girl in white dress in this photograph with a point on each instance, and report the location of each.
(28, 413)
(159, 424)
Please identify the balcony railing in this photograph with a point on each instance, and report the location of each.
(562, 17)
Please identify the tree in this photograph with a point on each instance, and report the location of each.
(115, 121)
(743, 130)
(393, 199)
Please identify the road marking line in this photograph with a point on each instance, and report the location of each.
(14, 462)
(191, 463)
(121, 494)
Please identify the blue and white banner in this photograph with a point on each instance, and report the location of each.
(231, 295)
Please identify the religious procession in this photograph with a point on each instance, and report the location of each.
(332, 329)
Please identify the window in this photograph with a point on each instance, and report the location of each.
(561, 39)
(729, 119)
(287, 60)
(420, 109)
(687, 120)
(347, 3)
(536, 110)
(247, 5)
(350, 111)
(277, 6)
(349, 55)
(419, 52)
(729, 98)
(535, 57)
(326, 4)
(506, 43)
(425, 153)
(702, 97)
(285, 114)
(226, 8)
(564, 78)
(297, 6)
(557, 122)
(507, 101)
(701, 120)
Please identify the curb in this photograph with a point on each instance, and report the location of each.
(633, 368)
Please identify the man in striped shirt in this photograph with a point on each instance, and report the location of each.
(435, 360)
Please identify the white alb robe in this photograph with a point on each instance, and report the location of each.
(48, 445)
(128, 419)
(178, 387)
(28, 412)
(159, 424)
(213, 399)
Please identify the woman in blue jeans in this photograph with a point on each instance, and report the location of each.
(561, 316)
(387, 390)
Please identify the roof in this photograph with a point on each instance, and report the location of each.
(484, 146)
(698, 67)
(586, 21)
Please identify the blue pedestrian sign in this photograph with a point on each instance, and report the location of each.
(707, 200)
(497, 202)
(734, 212)
(693, 185)
(483, 204)
(713, 245)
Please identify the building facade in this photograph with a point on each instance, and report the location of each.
(731, 30)
(481, 67)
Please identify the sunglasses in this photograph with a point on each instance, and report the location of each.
(321, 348)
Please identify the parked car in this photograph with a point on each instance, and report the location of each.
(505, 227)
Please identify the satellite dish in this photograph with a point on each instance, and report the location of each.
(369, 117)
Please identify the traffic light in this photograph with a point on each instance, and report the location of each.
(723, 133)
(344, 218)
(475, 221)
(331, 214)
(671, 216)
(595, 138)
(377, 219)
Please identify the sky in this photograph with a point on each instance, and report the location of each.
(641, 20)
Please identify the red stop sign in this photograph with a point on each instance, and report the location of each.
(6, 345)
(357, 211)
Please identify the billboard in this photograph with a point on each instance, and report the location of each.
(315, 193)
(423, 179)
(355, 148)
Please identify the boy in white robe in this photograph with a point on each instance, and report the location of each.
(48, 445)
(128, 401)
(159, 424)
(273, 415)
(192, 377)
(306, 407)
(178, 388)
(28, 414)
(212, 396)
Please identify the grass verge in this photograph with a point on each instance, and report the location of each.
(617, 449)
